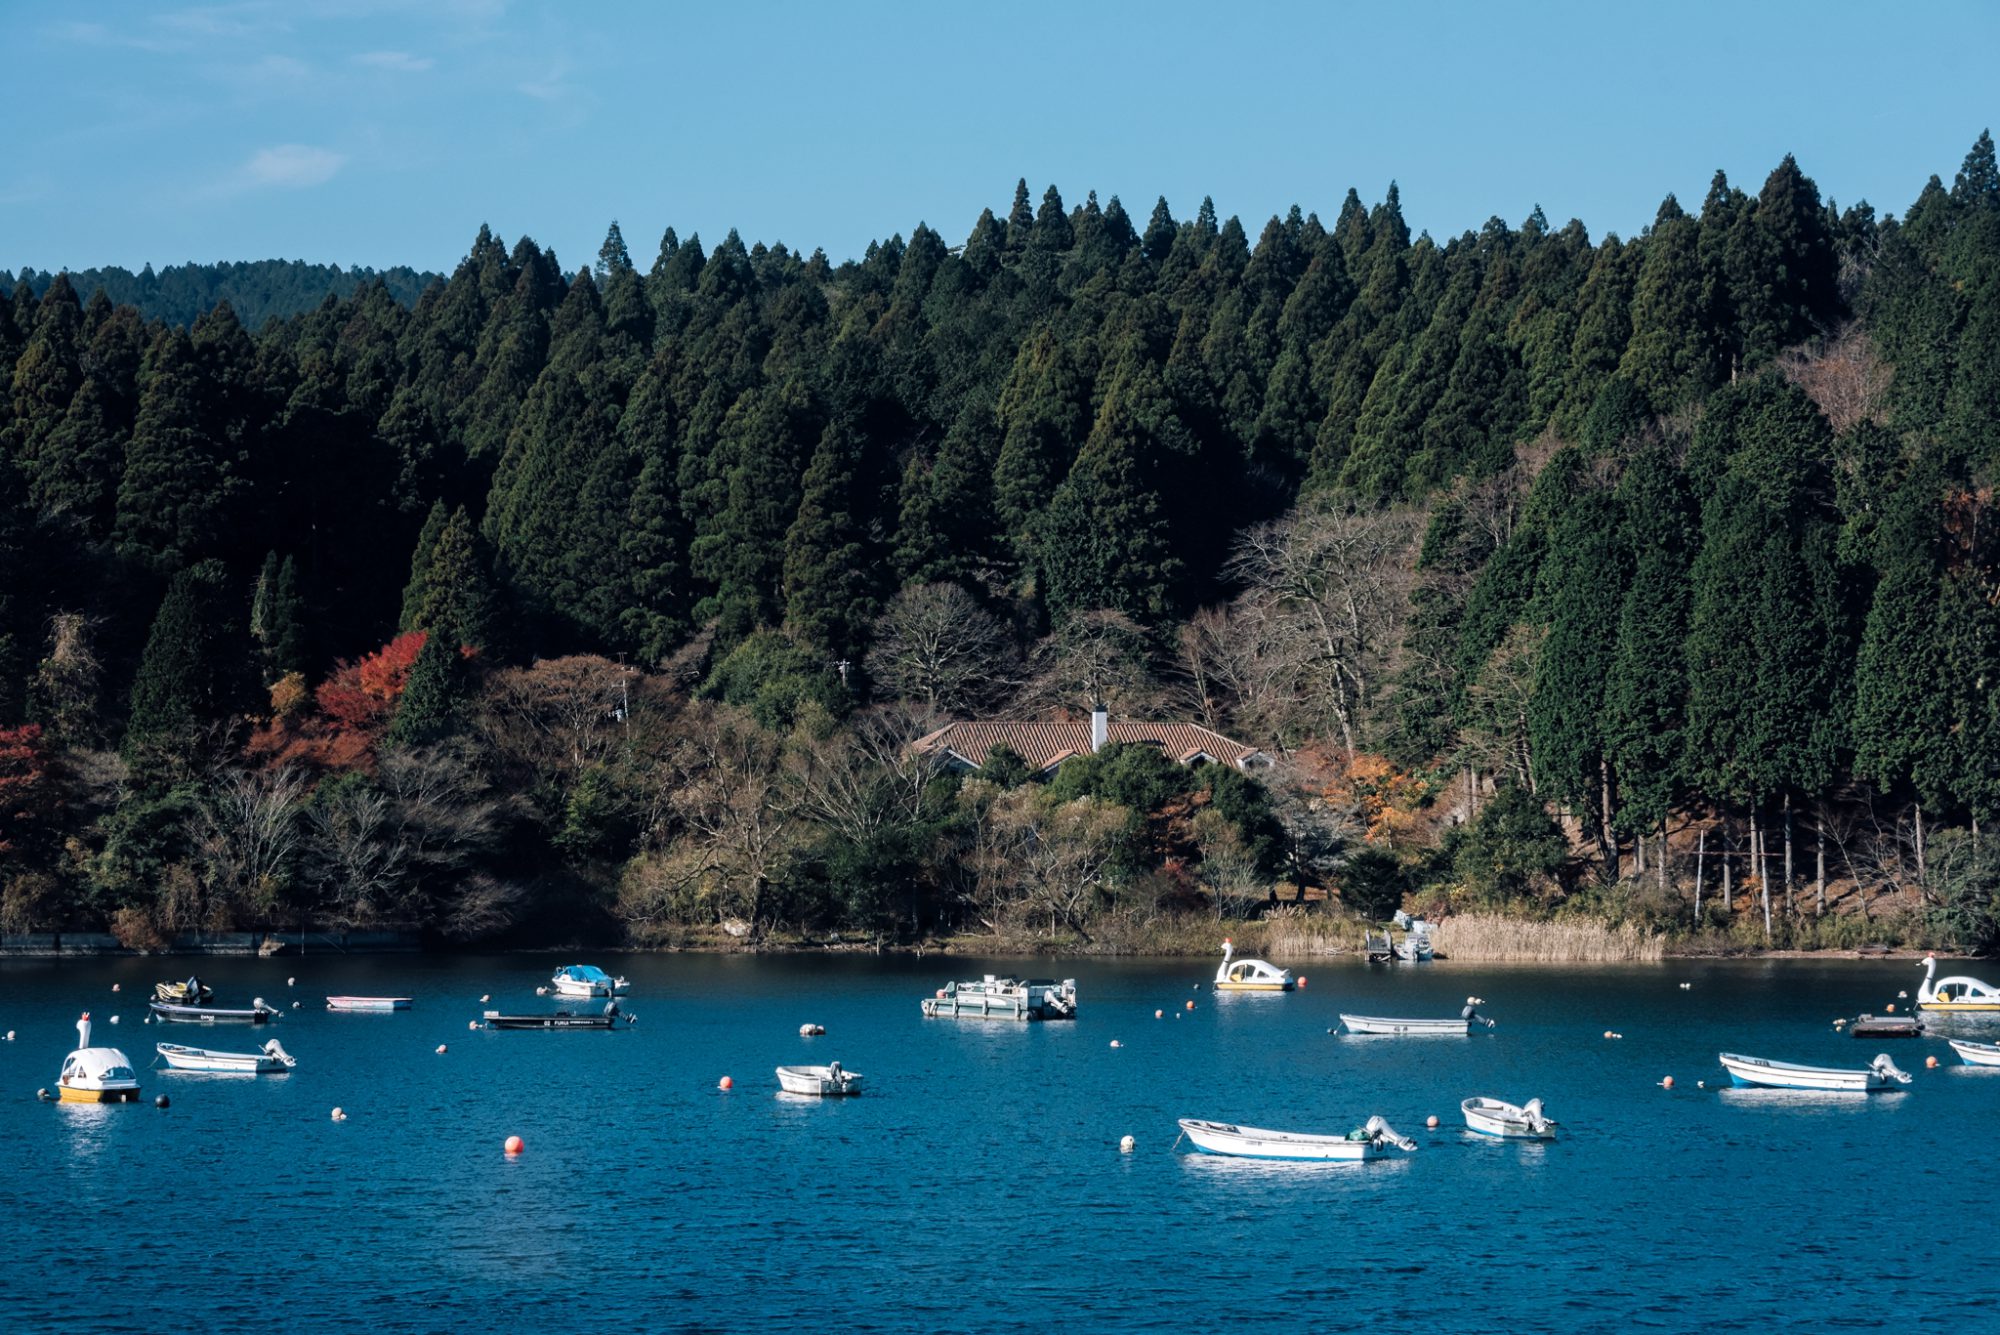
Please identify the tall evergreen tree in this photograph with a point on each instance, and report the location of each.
(189, 676)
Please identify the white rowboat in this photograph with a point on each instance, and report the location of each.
(1976, 1054)
(1758, 1073)
(825, 1080)
(367, 1003)
(1380, 1024)
(1495, 1117)
(1372, 1141)
(271, 1060)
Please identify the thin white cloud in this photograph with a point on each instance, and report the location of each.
(291, 166)
(396, 62)
(97, 34)
(550, 87)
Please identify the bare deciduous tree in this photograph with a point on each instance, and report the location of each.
(249, 833)
(1097, 657)
(1336, 583)
(66, 681)
(1844, 376)
(936, 645)
(726, 812)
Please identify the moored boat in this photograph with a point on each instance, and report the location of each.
(1956, 995)
(271, 1059)
(586, 980)
(1496, 1117)
(96, 1075)
(1373, 1140)
(829, 1080)
(1415, 947)
(256, 1013)
(1760, 1073)
(368, 1003)
(1885, 1026)
(1418, 1028)
(610, 1018)
(1976, 1054)
(995, 997)
(1247, 975)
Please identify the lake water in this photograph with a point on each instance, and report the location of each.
(977, 1185)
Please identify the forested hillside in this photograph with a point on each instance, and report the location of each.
(257, 290)
(559, 602)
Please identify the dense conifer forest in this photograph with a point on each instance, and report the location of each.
(257, 290)
(1655, 579)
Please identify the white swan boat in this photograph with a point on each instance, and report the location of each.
(1976, 1054)
(1957, 994)
(96, 1075)
(828, 1080)
(1248, 975)
(370, 1004)
(1371, 1141)
(1383, 1024)
(1496, 1117)
(1758, 1073)
(271, 1059)
(586, 980)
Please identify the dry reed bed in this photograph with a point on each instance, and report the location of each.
(1490, 936)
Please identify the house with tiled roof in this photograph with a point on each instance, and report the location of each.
(1045, 746)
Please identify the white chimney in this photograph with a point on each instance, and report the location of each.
(1100, 728)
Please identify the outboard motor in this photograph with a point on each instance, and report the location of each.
(1472, 1015)
(1381, 1133)
(276, 1049)
(1536, 1122)
(1885, 1068)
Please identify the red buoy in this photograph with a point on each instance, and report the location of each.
(515, 1145)
(725, 1083)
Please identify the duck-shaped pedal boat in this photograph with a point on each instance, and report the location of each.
(1957, 994)
(1234, 975)
(96, 1075)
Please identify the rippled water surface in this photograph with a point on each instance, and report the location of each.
(978, 1186)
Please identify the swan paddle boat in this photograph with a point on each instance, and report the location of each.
(1496, 1117)
(1373, 1140)
(1976, 1054)
(96, 1075)
(1957, 995)
(271, 1059)
(1250, 975)
(829, 1080)
(1758, 1073)
(369, 1004)
(586, 980)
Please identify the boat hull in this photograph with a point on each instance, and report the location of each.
(221, 1063)
(71, 1094)
(1976, 1054)
(1960, 1007)
(556, 1020)
(1758, 1073)
(1249, 1142)
(1503, 1121)
(368, 1004)
(1286, 986)
(212, 1014)
(1377, 1024)
(818, 1080)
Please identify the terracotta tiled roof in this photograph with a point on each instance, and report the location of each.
(1042, 745)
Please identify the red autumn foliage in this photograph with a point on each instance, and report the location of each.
(25, 787)
(354, 708)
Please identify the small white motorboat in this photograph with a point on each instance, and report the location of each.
(586, 980)
(1759, 1073)
(96, 1075)
(828, 1080)
(371, 1004)
(998, 997)
(1371, 1141)
(1496, 1117)
(271, 1059)
(1957, 994)
(1382, 1024)
(1415, 947)
(1250, 975)
(1976, 1054)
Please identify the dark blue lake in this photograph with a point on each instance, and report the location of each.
(978, 1186)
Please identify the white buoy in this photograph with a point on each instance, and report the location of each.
(291, 982)
(295, 1005)
(339, 1116)
(472, 1024)
(10, 1035)
(1116, 1044)
(1125, 1144)
(541, 991)
(1431, 1121)
(115, 987)
(441, 1048)
(485, 997)
(114, 1019)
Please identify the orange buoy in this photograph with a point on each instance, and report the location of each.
(1667, 1083)
(1302, 980)
(1892, 1008)
(1190, 1005)
(1930, 1063)
(1431, 1121)
(725, 1083)
(515, 1145)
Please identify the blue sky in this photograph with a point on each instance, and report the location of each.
(374, 132)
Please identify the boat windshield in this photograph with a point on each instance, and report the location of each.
(119, 1073)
